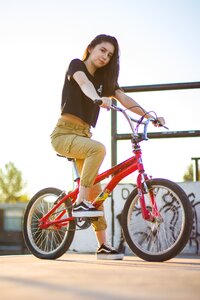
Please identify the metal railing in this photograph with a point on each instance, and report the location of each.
(153, 135)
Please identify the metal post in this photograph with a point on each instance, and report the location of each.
(196, 161)
(113, 137)
(113, 162)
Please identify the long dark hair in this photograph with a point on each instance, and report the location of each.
(110, 72)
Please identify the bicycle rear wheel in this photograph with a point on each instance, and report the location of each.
(52, 242)
(161, 240)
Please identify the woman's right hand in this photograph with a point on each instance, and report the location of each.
(106, 102)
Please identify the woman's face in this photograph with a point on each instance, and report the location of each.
(101, 54)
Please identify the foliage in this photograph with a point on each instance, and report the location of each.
(12, 185)
(189, 174)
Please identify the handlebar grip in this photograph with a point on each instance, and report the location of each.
(98, 101)
(159, 124)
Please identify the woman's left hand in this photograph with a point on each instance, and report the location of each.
(160, 121)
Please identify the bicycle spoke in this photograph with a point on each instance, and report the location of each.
(156, 237)
(52, 239)
(49, 239)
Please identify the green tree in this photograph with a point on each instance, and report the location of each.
(12, 185)
(189, 174)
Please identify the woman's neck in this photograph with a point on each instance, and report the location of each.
(90, 67)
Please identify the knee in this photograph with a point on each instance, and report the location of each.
(100, 224)
(101, 149)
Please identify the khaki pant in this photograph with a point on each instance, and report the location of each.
(75, 141)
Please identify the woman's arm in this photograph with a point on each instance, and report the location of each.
(130, 103)
(88, 89)
(133, 106)
(86, 85)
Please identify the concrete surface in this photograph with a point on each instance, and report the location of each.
(82, 277)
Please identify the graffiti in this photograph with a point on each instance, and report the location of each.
(194, 240)
(193, 245)
(125, 192)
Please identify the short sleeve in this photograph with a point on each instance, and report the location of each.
(74, 66)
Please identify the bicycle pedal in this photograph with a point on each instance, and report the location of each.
(79, 219)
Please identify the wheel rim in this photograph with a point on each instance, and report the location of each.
(160, 237)
(45, 241)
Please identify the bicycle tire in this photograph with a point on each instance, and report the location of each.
(153, 241)
(52, 242)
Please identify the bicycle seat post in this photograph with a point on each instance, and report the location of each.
(75, 170)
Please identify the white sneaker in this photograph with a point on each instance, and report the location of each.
(86, 209)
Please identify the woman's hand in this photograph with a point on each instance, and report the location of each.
(106, 102)
(160, 121)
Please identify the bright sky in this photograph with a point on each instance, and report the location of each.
(159, 42)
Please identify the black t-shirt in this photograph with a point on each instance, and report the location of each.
(74, 101)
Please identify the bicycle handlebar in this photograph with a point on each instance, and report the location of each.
(98, 101)
(131, 120)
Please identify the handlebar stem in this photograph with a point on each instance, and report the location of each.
(130, 120)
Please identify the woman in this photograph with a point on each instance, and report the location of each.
(94, 77)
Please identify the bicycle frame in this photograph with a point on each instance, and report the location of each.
(117, 172)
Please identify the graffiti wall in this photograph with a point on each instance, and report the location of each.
(85, 240)
(192, 190)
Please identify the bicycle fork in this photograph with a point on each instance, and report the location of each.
(142, 188)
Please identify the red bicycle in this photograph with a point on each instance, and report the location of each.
(157, 217)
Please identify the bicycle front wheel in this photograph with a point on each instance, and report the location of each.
(163, 239)
(52, 242)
